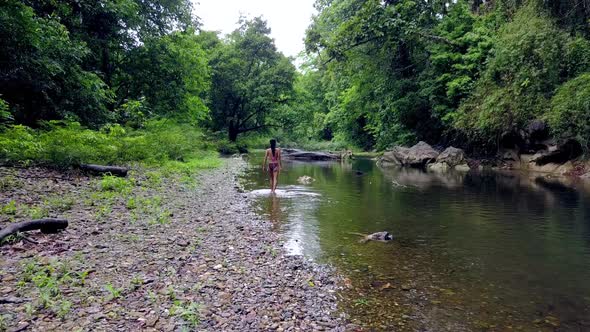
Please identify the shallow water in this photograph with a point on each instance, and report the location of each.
(473, 251)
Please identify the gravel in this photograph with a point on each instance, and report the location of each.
(215, 266)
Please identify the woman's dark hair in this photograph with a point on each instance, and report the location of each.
(273, 146)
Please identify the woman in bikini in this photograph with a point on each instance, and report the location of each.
(273, 155)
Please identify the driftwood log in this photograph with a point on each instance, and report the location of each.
(99, 169)
(49, 225)
(309, 155)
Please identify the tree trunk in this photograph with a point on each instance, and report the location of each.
(98, 169)
(232, 132)
(48, 225)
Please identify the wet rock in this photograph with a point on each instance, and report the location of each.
(417, 156)
(452, 157)
(559, 154)
(463, 168)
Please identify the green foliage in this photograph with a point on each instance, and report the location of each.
(570, 110)
(170, 77)
(66, 144)
(517, 84)
(60, 204)
(44, 78)
(459, 72)
(250, 80)
(188, 311)
(64, 60)
(115, 184)
(224, 146)
(9, 208)
(113, 292)
(51, 280)
(38, 212)
(5, 115)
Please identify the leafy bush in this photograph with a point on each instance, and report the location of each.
(570, 110)
(19, 144)
(64, 144)
(5, 115)
(526, 67)
(71, 144)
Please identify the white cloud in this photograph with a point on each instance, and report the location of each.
(287, 19)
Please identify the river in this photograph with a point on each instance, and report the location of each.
(472, 251)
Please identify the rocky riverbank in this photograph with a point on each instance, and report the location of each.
(153, 253)
(559, 159)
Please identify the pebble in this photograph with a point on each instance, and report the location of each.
(237, 282)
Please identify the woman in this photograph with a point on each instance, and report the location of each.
(273, 155)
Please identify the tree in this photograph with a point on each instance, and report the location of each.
(41, 73)
(170, 74)
(250, 80)
(519, 79)
(65, 58)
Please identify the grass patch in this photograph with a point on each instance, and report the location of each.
(38, 212)
(113, 292)
(115, 184)
(49, 281)
(60, 203)
(188, 311)
(10, 182)
(9, 209)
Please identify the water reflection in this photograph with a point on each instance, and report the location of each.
(275, 213)
(504, 247)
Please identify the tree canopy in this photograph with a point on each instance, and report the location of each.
(250, 80)
(375, 73)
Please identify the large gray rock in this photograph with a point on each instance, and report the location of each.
(559, 154)
(452, 157)
(418, 155)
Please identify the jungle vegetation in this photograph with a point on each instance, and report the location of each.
(376, 73)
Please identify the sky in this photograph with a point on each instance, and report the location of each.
(287, 19)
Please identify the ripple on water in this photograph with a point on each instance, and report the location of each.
(288, 192)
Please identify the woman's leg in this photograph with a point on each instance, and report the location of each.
(272, 180)
(275, 176)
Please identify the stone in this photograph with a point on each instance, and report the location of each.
(537, 130)
(452, 157)
(463, 168)
(439, 167)
(559, 154)
(417, 156)
(305, 179)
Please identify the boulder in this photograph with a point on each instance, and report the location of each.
(559, 154)
(439, 167)
(418, 155)
(392, 156)
(452, 157)
(463, 168)
(537, 130)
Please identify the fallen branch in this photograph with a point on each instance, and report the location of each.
(99, 169)
(48, 225)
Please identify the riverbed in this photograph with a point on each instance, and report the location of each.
(492, 251)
